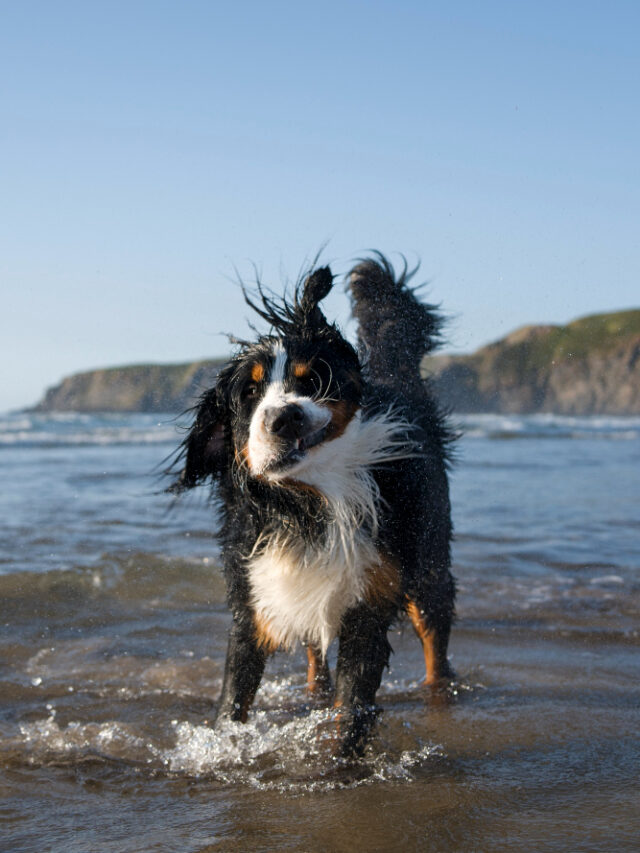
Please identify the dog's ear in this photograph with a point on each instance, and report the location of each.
(203, 451)
(314, 289)
(316, 286)
(300, 314)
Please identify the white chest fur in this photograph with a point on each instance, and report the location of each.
(301, 595)
(300, 592)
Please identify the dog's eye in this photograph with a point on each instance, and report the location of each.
(249, 390)
(308, 385)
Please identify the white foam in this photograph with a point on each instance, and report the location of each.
(606, 580)
(45, 740)
(298, 755)
(549, 426)
(73, 428)
(294, 751)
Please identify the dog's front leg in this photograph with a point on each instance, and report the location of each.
(363, 654)
(242, 671)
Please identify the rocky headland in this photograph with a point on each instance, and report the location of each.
(589, 366)
(135, 388)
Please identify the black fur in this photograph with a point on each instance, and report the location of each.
(395, 331)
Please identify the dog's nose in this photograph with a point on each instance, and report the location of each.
(285, 422)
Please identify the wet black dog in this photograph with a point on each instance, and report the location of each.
(330, 469)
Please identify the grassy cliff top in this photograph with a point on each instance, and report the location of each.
(597, 333)
(542, 346)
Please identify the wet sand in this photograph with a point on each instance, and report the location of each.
(104, 744)
(112, 639)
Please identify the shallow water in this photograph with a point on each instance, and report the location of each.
(113, 630)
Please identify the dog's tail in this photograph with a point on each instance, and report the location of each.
(395, 329)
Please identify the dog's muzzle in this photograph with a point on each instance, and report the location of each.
(295, 431)
(287, 422)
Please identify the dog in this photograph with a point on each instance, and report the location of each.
(330, 468)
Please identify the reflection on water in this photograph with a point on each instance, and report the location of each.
(113, 633)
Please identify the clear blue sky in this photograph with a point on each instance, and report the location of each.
(147, 148)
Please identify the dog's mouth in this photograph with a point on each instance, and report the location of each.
(296, 450)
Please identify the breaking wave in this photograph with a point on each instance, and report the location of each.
(549, 426)
(60, 429)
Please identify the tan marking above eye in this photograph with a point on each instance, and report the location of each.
(257, 372)
(301, 369)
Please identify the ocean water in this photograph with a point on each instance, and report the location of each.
(113, 631)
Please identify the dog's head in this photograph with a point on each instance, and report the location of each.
(281, 399)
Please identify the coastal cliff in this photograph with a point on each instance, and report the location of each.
(136, 388)
(590, 366)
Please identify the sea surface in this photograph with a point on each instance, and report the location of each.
(113, 631)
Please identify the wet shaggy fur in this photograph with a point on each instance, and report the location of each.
(330, 467)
